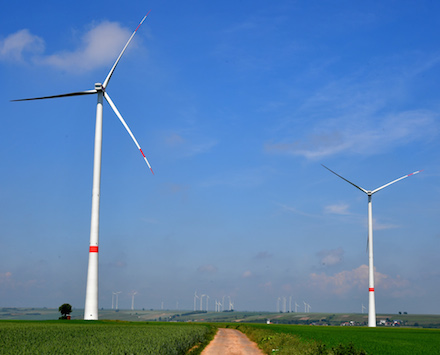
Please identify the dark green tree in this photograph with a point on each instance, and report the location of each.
(65, 309)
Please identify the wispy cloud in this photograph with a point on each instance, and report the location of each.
(359, 114)
(294, 210)
(340, 137)
(262, 255)
(341, 208)
(15, 46)
(331, 257)
(188, 143)
(247, 274)
(356, 279)
(98, 47)
(208, 268)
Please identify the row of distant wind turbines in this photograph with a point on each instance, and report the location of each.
(91, 303)
(115, 299)
(219, 306)
(307, 307)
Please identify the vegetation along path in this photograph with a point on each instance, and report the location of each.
(231, 342)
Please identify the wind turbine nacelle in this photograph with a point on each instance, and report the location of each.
(98, 86)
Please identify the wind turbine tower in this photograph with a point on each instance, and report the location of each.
(132, 299)
(201, 302)
(91, 302)
(371, 297)
(195, 300)
(116, 296)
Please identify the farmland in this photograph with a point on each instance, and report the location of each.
(379, 340)
(100, 337)
(119, 337)
(411, 320)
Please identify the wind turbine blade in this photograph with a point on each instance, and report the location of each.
(79, 93)
(360, 188)
(107, 97)
(392, 182)
(122, 52)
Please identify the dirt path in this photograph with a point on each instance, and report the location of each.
(231, 342)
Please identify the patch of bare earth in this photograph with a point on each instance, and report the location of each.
(231, 342)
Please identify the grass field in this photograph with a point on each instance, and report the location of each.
(101, 337)
(412, 320)
(116, 337)
(378, 340)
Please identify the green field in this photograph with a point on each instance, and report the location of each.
(101, 337)
(411, 320)
(378, 340)
(117, 337)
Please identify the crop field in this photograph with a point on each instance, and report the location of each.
(373, 340)
(101, 337)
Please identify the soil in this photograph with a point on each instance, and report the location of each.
(231, 342)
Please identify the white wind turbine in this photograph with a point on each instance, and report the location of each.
(371, 298)
(195, 300)
(201, 302)
(91, 304)
(116, 294)
(133, 293)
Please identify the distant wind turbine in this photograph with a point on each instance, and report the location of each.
(371, 299)
(91, 304)
(195, 300)
(201, 302)
(132, 299)
(116, 294)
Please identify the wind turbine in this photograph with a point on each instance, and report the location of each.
(132, 299)
(201, 302)
(91, 304)
(296, 307)
(195, 300)
(117, 298)
(371, 298)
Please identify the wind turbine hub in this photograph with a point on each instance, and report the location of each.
(99, 87)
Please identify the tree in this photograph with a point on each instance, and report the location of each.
(65, 309)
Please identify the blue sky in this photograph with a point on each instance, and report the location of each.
(236, 106)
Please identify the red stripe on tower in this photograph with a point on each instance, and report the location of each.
(93, 249)
(371, 289)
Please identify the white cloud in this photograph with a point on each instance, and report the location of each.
(341, 209)
(208, 268)
(331, 257)
(339, 136)
(188, 143)
(100, 46)
(22, 42)
(247, 274)
(356, 280)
